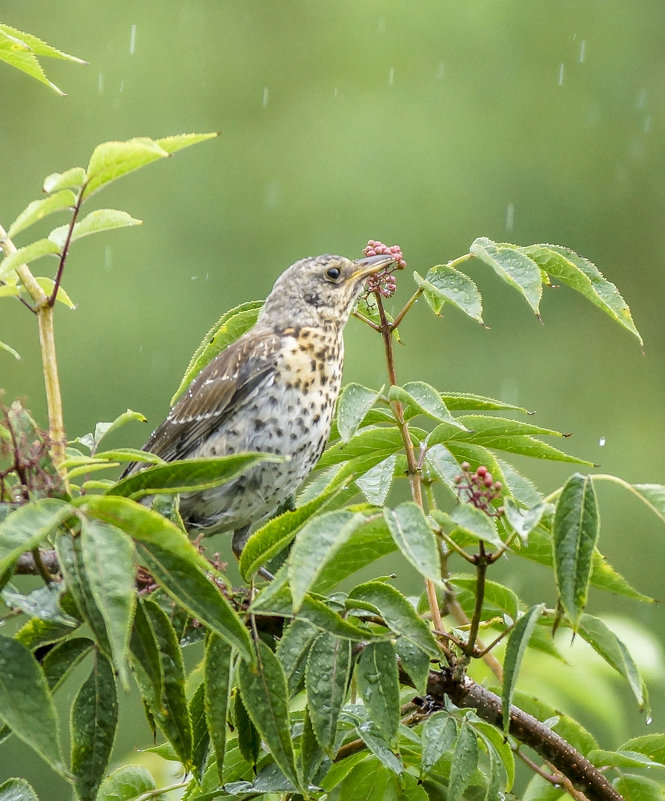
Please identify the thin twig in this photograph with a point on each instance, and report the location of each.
(481, 572)
(406, 308)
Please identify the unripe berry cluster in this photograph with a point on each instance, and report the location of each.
(479, 489)
(384, 282)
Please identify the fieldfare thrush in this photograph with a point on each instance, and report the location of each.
(272, 390)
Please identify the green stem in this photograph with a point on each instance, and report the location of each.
(481, 572)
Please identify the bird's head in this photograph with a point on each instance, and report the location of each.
(319, 290)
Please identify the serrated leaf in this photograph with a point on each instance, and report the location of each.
(247, 736)
(42, 602)
(173, 703)
(61, 660)
(605, 643)
(378, 684)
(638, 788)
(514, 266)
(375, 443)
(652, 495)
(471, 521)
(47, 285)
(523, 521)
(293, 650)
(414, 661)
(311, 753)
(575, 531)
(398, 613)
(126, 784)
(37, 46)
(495, 594)
(424, 399)
(468, 401)
(26, 255)
(95, 222)
(375, 483)
(217, 680)
(444, 284)
(73, 177)
(317, 542)
(651, 745)
(189, 475)
(464, 762)
(230, 326)
(582, 275)
(109, 562)
(200, 734)
(517, 643)
(93, 725)
(438, 734)
(414, 538)
(264, 692)
(38, 209)
(353, 404)
(192, 590)
(495, 741)
(28, 526)
(104, 429)
(17, 790)
(26, 705)
(327, 676)
(620, 759)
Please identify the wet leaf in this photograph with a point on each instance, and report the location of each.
(353, 404)
(514, 266)
(438, 735)
(378, 684)
(217, 680)
(464, 762)
(444, 284)
(414, 538)
(517, 643)
(328, 670)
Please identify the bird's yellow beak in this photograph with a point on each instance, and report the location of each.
(370, 265)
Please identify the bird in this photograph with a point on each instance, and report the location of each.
(273, 390)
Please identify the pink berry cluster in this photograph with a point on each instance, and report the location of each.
(479, 489)
(384, 282)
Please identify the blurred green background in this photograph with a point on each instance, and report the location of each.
(425, 124)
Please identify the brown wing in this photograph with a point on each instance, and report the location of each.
(221, 389)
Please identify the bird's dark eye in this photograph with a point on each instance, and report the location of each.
(333, 273)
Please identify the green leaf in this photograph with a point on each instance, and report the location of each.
(414, 661)
(621, 759)
(311, 753)
(148, 670)
(467, 401)
(353, 404)
(189, 475)
(265, 694)
(8, 348)
(217, 680)
(583, 276)
(35, 45)
(93, 725)
(112, 160)
(471, 521)
(375, 483)
(38, 209)
(192, 590)
(318, 542)
(293, 650)
(26, 255)
(73, 177)
(200, 735)
(464, 762)
(438, 734)
(230, 326)
(523, 521)
(517, 643)
(651, 745)
(514, 266)
(248, 738)
(47, 285)
(327, 677)
(28, 526)
(638, 788)
(423, 399)
(276, 534)
(17, 790)
(173, 703)
(376, 443)
(652, 495)
(398, 613)
(61, 660)
(109, 562)
(378, 684)
(603, 640)
(95, 222)
(444, 284)
(414, 538)
(26, 705)
(575, 533)
(495, 741)
(497, 595)
(126, 784)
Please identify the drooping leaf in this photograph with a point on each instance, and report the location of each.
(438, 735)
(311, 753)
(26, 255)
(354, 402)
(582, 275)
(61, 660)
(26, 705)
(471, 521)
(93, 725)
(217, 680)
(8, 349)
(414, 662)
(230, 326)
(126, 784)
(200, 734)
(38, 209)
(464, 761)
(28, 526)
(265, 694)
(192, 590)
(523, 521)
(444, 284)
(328, 669)
(247, 735)
(293, 651)
(378, 684)
(414, 538)
(318, 542)
(575, 532)
(148, 670)
(517, 643)
(397, 612)
(514, 266)
(109, 562)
